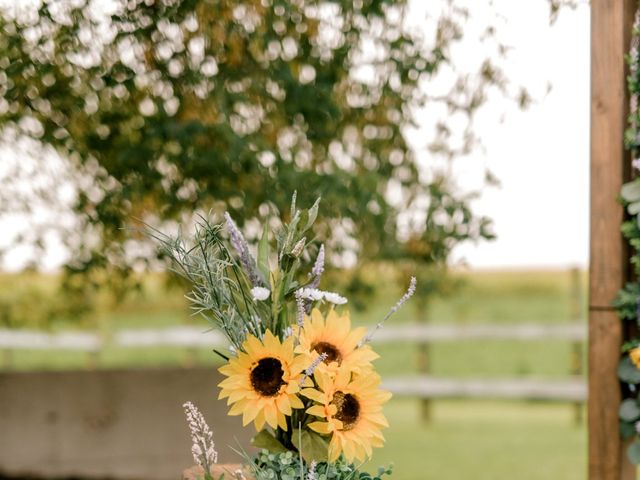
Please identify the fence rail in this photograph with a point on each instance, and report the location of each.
(193, 337)
(427, 387)
(562, 390)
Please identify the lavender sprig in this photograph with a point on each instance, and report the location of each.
(203, 448)
(311, 473)
(312, 368)
(408, 294)
(301, 308)
(240, 244)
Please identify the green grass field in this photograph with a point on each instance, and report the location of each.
(483, 440)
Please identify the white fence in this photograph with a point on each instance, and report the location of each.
(194, 337)
(572, 388)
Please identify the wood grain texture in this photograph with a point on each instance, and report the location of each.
(611, 24)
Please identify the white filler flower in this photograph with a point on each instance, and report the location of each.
(334, 298)
(315, 295)
(260, 294)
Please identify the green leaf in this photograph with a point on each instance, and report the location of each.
(293, 203)
(313, 214)
(263, 252)
(627, 371)
(630, 192)
(290, 238)
(311, 445)
(633, 452)
(264, 439)
(627, 430)
(629, 410)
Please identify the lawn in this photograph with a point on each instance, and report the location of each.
(483, 440)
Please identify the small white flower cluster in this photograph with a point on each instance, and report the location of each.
(203, 449)
(260, 294)
(316, 295)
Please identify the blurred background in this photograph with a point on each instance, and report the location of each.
(447, 139)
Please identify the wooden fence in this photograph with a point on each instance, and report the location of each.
(425, 386)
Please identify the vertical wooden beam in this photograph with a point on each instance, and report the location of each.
(611, 25)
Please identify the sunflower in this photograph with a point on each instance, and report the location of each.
(350, 410)
(333, 336)
(263, 381)
(634, 355)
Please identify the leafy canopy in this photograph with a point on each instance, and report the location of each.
(162, 109)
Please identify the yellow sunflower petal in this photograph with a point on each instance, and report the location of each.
(316, 410)
(321, 427)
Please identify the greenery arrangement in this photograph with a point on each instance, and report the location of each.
(295, 368)
(628, 299)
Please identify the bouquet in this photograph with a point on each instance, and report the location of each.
(296, 368)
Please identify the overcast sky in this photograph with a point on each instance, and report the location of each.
(540, 156)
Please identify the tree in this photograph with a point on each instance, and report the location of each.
(165, 107)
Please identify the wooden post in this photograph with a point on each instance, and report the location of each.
(575, 313)
(611, 25)
(424, 362)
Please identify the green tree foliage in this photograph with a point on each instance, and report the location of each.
(165, 107)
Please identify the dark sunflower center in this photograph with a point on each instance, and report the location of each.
(333, 354)
(348, 409)
(266, 377)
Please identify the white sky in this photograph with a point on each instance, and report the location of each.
(540, 156)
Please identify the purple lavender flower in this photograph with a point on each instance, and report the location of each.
(312, 368)
(300, 307)
(203, 448)
(242, 248)
(408, 294)
(311, 473)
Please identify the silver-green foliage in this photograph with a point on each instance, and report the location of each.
(221, 283)
(287, 466)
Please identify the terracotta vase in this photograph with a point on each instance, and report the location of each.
(229, 470)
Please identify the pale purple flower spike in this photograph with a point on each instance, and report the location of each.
(311, 474)
(408, 294)
(301, 308)
(203, 449)
(240, 244)
(312, 368)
